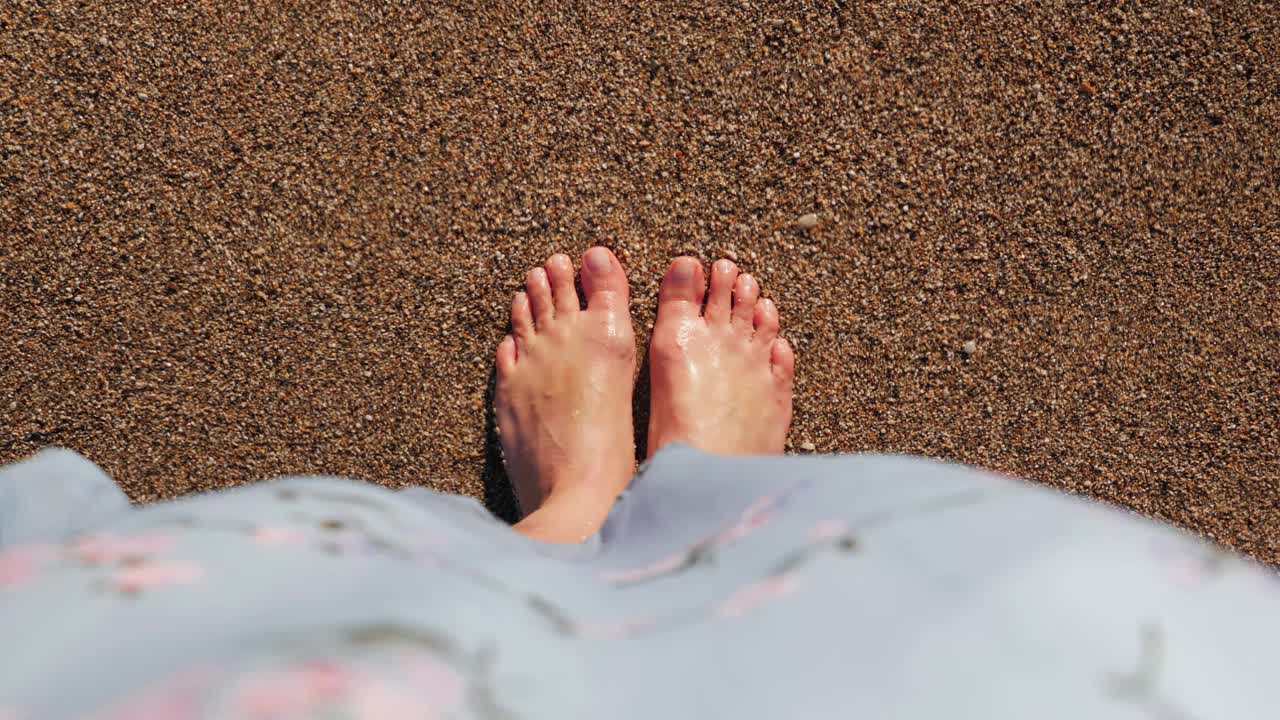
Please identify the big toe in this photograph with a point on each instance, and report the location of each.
(603, 280)
(682, 289)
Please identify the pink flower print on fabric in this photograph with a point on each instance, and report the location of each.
(611, 629)
(292, 692)
(756, 516)
(756, 594)
(278, 535)
(325, 685)
(437, 682)
(20, 563)
(107, 548)
(663, 566)
(828, 530)
(146, 575)
(1188, 562)
(179, 697)
(372, 699)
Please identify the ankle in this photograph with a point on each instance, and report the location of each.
(572, 512)
(561, 523)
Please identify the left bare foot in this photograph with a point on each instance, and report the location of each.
(720, 377)
(563, 398)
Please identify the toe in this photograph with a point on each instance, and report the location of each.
(506, 355)
(603, 280)
(521, 316)
(682, 289)
(720, 297)
(560, 275)
(782, 360)
(766, 321)
(539, 290)
(745, 293)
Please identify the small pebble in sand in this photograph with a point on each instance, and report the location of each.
(808, 447)
(368, 418)
(808, 221)
(969, 347)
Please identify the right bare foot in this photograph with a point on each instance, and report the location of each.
(563, 396)
(720, 379)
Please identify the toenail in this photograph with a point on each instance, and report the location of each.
(724, 266)
(682, 273)
(598, 260)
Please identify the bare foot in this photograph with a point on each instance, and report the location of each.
(720, 379)
(563, 397)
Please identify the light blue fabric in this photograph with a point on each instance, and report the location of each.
(55, 493)
(805, 587)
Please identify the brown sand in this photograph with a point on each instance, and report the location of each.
(241, 239)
